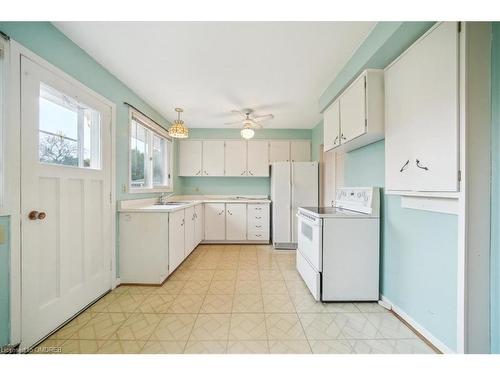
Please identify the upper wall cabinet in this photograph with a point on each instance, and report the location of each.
(356, 118)
(422, 108)
(190, 158)
(279, 151)
(235, 158)
(213, 158)
(300, 151)
(258, 158)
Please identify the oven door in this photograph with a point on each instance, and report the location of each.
(310, 238)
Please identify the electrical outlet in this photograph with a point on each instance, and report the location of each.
(2, 234)
(124, 188)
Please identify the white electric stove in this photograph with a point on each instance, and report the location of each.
(338, 247)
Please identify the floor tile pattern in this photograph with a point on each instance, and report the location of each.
(235, 299)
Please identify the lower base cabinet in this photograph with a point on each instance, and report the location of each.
(176, 245)
(144, 243)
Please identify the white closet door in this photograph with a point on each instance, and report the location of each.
(198, 224)
(190, 158)
(213, 158)
(65, 201)
(353, 111)
(279, 151)
(235, 158)
(258, 158)
(176, 240)
(300, 151)
(236, 221)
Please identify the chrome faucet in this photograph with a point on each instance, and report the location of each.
(164, 197)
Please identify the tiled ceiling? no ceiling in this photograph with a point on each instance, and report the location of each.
(210, 68)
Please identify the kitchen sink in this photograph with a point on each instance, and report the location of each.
(177, 203)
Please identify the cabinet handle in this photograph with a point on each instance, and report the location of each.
(206, 174)
(220, 213)
(258, 208)
(258, 217)
(250, 172)
(336, 140)
(197, 173)
(229, 212)
(421, 166)
(258, 235)
(405, 165)
(182, 222)
(242, 173)
(258, 226)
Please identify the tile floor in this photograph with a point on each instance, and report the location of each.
(231, 299)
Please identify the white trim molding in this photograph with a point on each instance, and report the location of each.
(388, 304)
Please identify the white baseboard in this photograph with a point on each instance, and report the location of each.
(385, 302)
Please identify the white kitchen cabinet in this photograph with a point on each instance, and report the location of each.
(213, 158)
(422, 108)
(358, 113)
(331, 126)
(258, 158)
(190, 158)
(176, 247)
(215, 221)
(198, 224)
(235, 158)
(144, 241)
(189, 231)
(236, 221)
(300, 150)
(258, 222)
(279, 151)
(352, 111)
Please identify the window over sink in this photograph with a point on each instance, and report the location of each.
(150, 156)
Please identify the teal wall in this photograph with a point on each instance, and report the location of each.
(418, 251)
(235, 185)
(495, 190)
(316, 140)
(4, 283)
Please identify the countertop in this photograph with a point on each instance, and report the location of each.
(149, 205)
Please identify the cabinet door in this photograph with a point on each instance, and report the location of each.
(213, 158)
(215, 221)
(300, 151)
(353, 111)
(176, 240)
(190, 158)
(198, 224)
(236, 221)
(279, 151)
(422, 93)
(189, 228)
(331, 126)
(235, 158)
(258, 158)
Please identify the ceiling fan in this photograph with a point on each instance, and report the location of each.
(249, 122)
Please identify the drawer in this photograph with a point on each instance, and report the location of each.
(258, 236)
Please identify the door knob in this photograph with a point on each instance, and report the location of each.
(34, 215)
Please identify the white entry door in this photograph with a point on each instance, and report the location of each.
(65, 200)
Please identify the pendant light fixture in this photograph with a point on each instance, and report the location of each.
(178, 129)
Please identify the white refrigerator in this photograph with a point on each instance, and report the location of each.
(293, 184)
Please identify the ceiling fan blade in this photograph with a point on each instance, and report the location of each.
(264, 117)
(238, 112)
(254, 124)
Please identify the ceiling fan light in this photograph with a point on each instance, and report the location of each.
(247, 133)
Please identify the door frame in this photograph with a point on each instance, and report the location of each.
(12, 201)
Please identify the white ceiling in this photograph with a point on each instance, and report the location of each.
(210, 68)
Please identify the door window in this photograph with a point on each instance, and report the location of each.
(69, 131)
